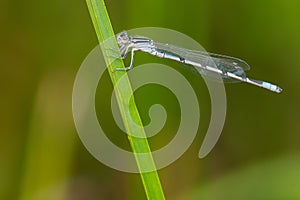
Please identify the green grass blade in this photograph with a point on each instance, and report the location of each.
(104, 31)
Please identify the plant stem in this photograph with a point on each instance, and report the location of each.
(104, 31)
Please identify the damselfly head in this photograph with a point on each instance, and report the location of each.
(122, 38)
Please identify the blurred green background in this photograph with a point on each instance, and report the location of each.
(42, 46)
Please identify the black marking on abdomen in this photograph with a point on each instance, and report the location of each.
(182, 60)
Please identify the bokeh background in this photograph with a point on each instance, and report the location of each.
(42, 46)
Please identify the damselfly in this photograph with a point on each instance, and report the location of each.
(230, 68)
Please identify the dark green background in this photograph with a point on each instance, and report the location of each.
(42, 46)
